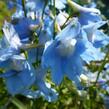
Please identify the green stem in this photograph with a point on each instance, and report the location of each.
(42, 17)
(29, 46)
(23, 5)
(66, 21)
(54, 8)
(101, 67)
(18, 103)
(54, 13)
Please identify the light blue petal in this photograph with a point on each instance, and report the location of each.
(20, 81)
(14, 84)
(44, 88)
(86, 18)
(92, 54)
(47, 92)
(11, 37)
(73, 67)
(27, 75)
(71, 30)
(83, 35)
(46, 57)
(56, 71)
(92, 28)
(59, 4)
(23, 28)
(11, 62)
(7, 53)
(80, 46)
(50, 59)
(101, 39)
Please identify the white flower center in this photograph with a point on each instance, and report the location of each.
(66, 47)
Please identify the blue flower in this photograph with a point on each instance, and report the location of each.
(43, 88)
(86, 15)
(86, 18)
(92, 54)
(62, 55)
(65, 54)
(95, 36)
(19, 76)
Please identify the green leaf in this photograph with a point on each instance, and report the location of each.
(18, 103)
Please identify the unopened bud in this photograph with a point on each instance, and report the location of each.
(84, 78)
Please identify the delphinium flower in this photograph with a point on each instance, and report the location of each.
(19, 70)
(52, 58)
(96, 36)
(91, 20)
(14, 65)
(43, 88)
(18, 74)
(86, 15)
(16, 78)
(64, 54)
(24, 25)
